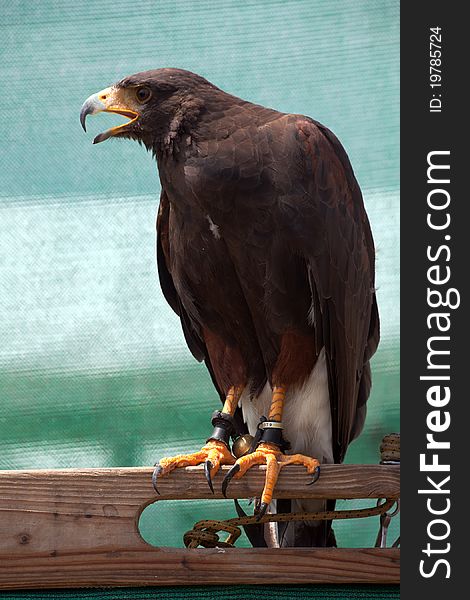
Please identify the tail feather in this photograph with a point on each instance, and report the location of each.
(305, 534)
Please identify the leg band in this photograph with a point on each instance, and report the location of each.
(270, 432)
(224, 427)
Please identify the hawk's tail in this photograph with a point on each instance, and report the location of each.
(305, 534)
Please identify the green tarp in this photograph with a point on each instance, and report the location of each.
(355, 592)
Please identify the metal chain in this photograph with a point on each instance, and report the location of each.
(205, 533)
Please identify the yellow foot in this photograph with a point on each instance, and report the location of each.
(274, 459)
(213, 454)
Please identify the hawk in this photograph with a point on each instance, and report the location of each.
(265, 252)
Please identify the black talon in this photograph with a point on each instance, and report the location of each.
(262, 510)
(316, 475)
(233, 471)
(207, 472)
(155, 474)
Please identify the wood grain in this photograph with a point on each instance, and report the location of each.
(70, 528)
(202, 567)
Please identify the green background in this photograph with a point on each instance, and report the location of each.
(235, 592)
(94, 370)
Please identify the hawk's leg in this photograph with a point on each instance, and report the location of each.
(216, 450)
(269, 452)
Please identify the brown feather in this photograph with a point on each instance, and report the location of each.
(291, 269)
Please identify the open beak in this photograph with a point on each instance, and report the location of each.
(113, 100)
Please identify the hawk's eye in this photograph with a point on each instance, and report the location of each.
(143, 94)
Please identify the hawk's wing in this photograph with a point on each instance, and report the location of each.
(333, 234)
(192, 337)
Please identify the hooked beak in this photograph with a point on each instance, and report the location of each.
(111, 100)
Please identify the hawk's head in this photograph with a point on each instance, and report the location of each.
(156, 102)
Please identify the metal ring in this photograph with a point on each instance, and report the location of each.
(271, 425)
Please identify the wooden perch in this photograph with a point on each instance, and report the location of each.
(79, 527)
